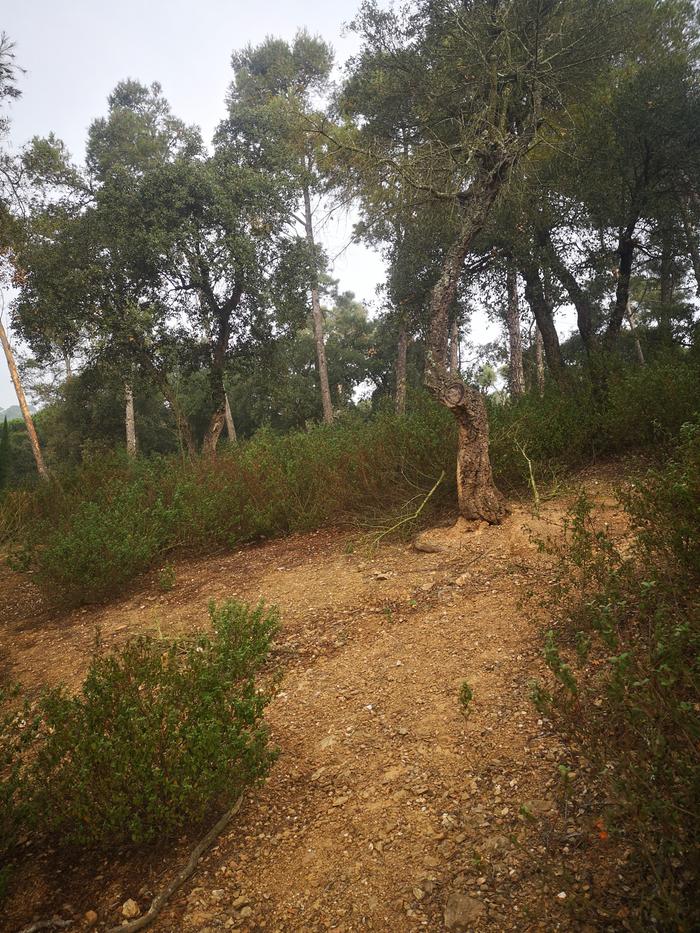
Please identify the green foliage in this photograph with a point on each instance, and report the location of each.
(91, 531)
(466, 695)
(159, 734)
(5, 455)
(626, 668)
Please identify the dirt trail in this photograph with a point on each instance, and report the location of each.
(387, 804)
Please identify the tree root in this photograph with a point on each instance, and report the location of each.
(52, 924)
(160, 900)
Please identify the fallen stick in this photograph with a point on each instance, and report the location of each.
(159, 901)
(52, 924)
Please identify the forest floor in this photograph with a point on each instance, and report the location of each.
(388, 809)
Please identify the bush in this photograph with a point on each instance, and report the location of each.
(159, 734)
(91, 530)
(626, 668)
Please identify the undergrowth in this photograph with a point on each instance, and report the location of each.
(625, 665)
(91, 530)
(159, 734)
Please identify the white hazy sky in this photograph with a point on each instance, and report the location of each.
(75, 51)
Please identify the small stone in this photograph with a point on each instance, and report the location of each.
(562, 895)
(130, 909)
(241, 901)
(245, 912)
(462, 912)
(90, 918)
(462, 579)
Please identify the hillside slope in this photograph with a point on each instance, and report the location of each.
(389, 808)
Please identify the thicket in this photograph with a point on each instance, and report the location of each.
(92, 529)
(160, 734)
(625, 660)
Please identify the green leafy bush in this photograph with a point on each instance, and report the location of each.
(92, 529)
(626, 672)
(159, 734)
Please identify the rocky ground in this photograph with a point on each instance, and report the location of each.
(391, 808)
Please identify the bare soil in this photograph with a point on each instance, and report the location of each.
(388, 803)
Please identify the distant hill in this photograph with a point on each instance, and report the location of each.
(12, 413)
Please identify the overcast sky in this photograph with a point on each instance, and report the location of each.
(75, 51)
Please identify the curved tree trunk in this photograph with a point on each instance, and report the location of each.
(401, 354)
(478, 498)
(542, 311)
(24, 407)
(585, 315)
(516, 376)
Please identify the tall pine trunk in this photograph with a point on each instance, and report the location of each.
(24, 407)
(516, 376)
(401, 357)
(317, 318)
(130, 420)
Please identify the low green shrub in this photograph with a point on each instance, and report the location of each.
(92, 529)
(625, 664)
(159, 735)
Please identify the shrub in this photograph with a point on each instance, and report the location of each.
(159, 734)
(92, 529)
(626, 670)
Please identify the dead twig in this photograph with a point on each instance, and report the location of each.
(159, 901)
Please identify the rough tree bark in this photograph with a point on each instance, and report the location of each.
(230, 426)
(542, 311)
(401, 354)
(625, 255)
(539, 361)
(317, 317)
(478, 497)
(637, 345)
(516, 376)
(130, 420)
(24, 407)
(454, 349)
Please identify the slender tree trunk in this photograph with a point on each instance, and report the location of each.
(478, 497)
(539, 361)
(542, 311)
(691, 240)
(454, 349)
(625, 254)
(230, 426)
(633, 328)
(130, 420)
(170, 395)
(24, 407)
(516, 376)
(401, 354)
(69, 367)
(317, 317)
(581, 301)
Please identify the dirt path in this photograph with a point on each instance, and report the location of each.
(389, 809)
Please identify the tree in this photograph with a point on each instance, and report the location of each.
(270, 108)
(8, 90)
(486, 81)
